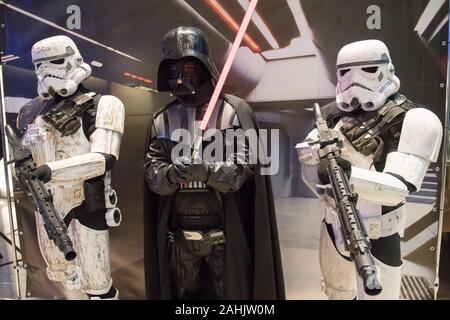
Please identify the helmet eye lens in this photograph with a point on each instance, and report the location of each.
(370, 69)
(58, 61)
(343, 72)
(173, 71)
(191, 67)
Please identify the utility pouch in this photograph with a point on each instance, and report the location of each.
(64, 117)
(94, 192)
(365, 131)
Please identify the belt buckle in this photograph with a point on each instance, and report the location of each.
(215, 237)
(193, 235)
(193, 186)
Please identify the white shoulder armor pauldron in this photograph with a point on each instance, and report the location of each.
(110, 114)
(109, 126)
(421, 134)
(419, 145)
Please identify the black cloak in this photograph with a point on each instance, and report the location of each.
(252, 266)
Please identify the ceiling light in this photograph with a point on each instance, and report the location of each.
(260, 24)
(231, 22)
(139, 78)
(96, 64)
(428, 15)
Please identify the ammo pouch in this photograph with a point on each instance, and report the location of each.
(64, 117)
(364, 132)
(94, 193)
(359, 131)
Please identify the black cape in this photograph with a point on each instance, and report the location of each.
(253, 267)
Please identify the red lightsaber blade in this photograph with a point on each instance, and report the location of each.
(226, 69)
(228, 63)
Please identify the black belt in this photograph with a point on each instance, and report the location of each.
(94, 220)
(213, 237)
(198, 222)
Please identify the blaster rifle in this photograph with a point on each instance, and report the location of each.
(356, 239)
(24, 166)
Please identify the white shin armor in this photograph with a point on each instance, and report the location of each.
(338, 275)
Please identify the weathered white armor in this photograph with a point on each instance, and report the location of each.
(73, 160)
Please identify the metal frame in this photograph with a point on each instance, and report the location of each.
(444, 156)
(9, 186)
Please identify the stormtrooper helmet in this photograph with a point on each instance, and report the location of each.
(366, 76)
(59, 66)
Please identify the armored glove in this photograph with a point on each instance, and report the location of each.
(182, 168)
(43, 173)
(222, 176)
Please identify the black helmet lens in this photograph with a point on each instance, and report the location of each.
(185, 55)
(188, 72)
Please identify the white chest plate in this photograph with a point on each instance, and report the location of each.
(47, 145)
(349, 153)
(367, 209)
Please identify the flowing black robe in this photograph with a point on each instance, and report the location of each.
(252, 267)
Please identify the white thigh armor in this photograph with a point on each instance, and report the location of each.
(74, 159)
(340, 280)
(338, 275)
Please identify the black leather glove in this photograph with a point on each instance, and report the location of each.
(189, 171)
(174, 174)
(158, 168)
(322, 170)
(43, 173)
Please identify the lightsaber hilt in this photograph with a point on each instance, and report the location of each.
(197, 146)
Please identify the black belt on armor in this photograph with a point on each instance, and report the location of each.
(197, 222)
(213, 237)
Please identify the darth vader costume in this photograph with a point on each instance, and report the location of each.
(210, 227)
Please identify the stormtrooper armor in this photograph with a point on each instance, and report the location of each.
(75, 137)
(390, 143)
